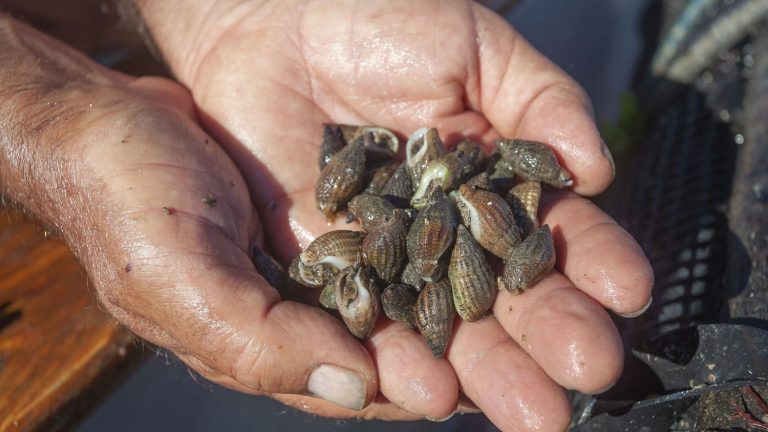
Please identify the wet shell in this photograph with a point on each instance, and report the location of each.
(357, 297)
(471, 154)
(339, 249)
(480, 181)
(371, 210)
(398, 300)
(489, 219)
(431, 235)
(474, 287)
(523, 199)
(534, 161)
(422, 147)
(379, 178)
(341, 179)
(435, 313)
(313, 276)
(382, 142)
(328, 297)
(333, 141)
(410, 277)
(501, 173)
(445, 171)
(399, 188)
(384, 248)
(528, 263)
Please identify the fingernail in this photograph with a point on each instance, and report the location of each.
(338, 385)
(640, 312)
(609, 156)
(440, 420)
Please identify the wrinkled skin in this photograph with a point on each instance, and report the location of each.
(264, 79)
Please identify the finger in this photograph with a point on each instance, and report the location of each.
(409, 375)
(524, 95)
(380, 408)
(567, 333)
(597, 255)
(504, 381)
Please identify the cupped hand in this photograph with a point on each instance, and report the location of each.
(265, 76)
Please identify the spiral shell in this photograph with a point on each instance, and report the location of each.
(341, 179)
(339, 249)
(523, 199)
(399, 188)
(445, 171)
(435, 313)
(422, 147)
(480, 181)
(371, 210)
(357, 298)
(381, 144)
(398, 300)
(501, 173)
(384, 248)
(474, 288)
(529, 262)
(411, 278)
(333, 141)
(471, 155)
(431, 235)
(313, 276)
(379, 178)
(534, 161)
(489, 219)
(328, 297)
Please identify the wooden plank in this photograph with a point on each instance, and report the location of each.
(59, 352)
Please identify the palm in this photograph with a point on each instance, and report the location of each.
(269, 83)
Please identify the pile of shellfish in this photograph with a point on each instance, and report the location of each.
(432, 227)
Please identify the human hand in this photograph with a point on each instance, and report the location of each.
(266, 75)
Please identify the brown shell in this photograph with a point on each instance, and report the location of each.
(313, 276)
(399, 188)
(534, 161)
(422, 147)
(410, 277)
(384, 248)
(341, 179)
(471, 154)
(528, 263)
(398, 300)
(489, 219)
(371, 210)
(446, 171)
(328, 297)
(480, 181)
(431, 235)
(474, 287)
(340, 249)
(379, 178)
(357, 298)
(381, 142)
(523, 199)
(501, 173)
(333, 141)
(435, 313)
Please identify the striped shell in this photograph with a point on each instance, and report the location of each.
(339, 249)
(523, 199)
(431, 235)
(341, 179)
(399, 188)
(533, 259)
(422, 147)
(357, 298)
(534, 161)
(474, 287)
(489, 219)
(398, 300)
(384, 248)
(435, 313)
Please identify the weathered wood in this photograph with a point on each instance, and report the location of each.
(59, 352)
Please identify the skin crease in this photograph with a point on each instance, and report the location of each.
(263, 77)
